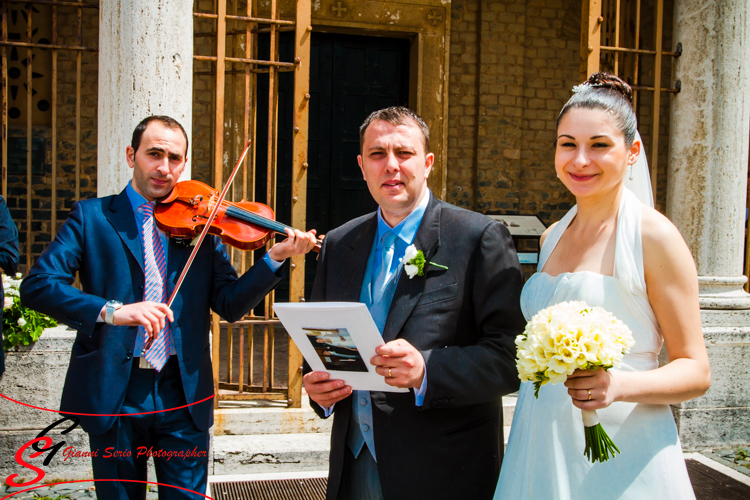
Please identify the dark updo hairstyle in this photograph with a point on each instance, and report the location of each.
(608, 93)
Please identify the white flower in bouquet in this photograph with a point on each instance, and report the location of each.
(569, 336)
(7, 302)
(21, 322)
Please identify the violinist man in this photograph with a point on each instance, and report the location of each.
(133, 354)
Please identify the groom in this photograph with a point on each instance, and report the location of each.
(449, 334)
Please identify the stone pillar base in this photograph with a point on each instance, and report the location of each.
(35, 375)
(718, 292)
(710, 428)
(720, 418)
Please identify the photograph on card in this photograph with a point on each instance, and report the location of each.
(336, 349)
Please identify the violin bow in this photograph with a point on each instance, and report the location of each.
(197, 245)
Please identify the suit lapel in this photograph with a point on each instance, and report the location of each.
(408, 291)
(120, 215)
(352, 266)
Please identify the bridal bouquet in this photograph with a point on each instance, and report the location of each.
(569, 336)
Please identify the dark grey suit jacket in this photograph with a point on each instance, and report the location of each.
(464, 321)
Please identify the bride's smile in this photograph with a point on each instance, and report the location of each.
(591, 156)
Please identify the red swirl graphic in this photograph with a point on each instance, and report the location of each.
(97, 480)
(104, 414)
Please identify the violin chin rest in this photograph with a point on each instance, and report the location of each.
(183, 242)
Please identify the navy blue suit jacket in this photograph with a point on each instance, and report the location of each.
(8, 258)
(100, 241)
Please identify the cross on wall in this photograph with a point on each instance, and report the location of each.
(340, 9)
(434, 18)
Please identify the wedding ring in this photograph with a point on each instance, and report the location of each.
(589, 394)
(389, 375)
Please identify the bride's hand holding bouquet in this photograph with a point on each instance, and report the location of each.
(575, 343)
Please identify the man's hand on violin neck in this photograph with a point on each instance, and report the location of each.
(150, 315)
(296, 243)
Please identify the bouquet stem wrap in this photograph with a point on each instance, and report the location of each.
(599, 446)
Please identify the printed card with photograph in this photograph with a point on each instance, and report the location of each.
(336, 349)
(336, 337)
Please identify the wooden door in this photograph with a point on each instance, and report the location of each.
(350, 77)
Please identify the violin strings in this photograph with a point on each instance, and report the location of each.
(249, 216)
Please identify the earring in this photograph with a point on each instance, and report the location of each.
(631, 171)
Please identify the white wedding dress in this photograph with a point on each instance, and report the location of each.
(544, 459)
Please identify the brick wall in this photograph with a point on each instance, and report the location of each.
(525, 62)
(506, 92)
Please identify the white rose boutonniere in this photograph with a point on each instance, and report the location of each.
(415, 262)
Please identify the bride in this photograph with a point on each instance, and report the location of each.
(612, 251)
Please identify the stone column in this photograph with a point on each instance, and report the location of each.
(145, 68)
(706, 194)
(710, 127)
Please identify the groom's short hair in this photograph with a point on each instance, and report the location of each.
(396, 115)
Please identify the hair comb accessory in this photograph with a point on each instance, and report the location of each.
(586, 85)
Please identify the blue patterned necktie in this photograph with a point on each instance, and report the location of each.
(388, 241)
(155, 289)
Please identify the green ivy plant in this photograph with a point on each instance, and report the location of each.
(21, 325)
(742, 455)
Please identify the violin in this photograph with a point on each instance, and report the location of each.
(246, 225)
(182, 212)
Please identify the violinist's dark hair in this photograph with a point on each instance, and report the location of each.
(609, 93)
(396, 115)
(167, 121)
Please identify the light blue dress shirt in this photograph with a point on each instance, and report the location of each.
(136, 202)
(361, 432)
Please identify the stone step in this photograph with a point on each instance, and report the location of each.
(281, 440)
(269, 420)
(268, 453)
(279, 420)
(275, 453)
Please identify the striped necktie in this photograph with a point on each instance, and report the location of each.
(155, 289)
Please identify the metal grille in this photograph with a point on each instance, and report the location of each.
(38, 51)
(611, 41)
(278, 489)
(233, 69)
(710, 484)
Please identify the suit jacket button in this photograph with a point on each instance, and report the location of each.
(140, 288)
(129, 355)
